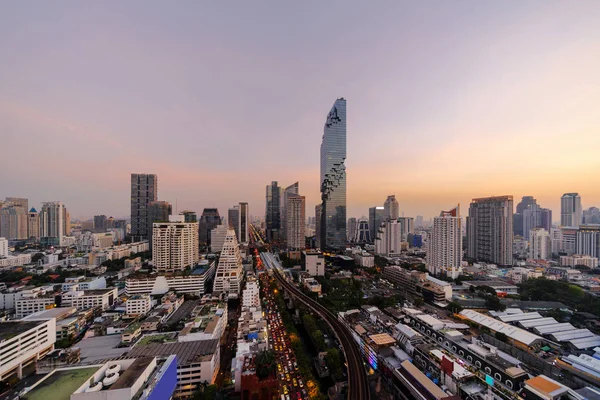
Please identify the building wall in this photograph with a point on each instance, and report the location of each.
(490, 230)
(144, 189)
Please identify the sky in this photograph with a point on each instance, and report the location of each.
(447, 101)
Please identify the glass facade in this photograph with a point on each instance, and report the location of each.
(273, 212)
(333, 178)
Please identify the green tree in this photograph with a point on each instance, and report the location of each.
(333, 360)
(454, 307)
(265, 363)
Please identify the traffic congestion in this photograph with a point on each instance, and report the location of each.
(291, 385)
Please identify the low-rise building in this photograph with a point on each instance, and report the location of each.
(195, 283)
(209, 322)
(313, 262)
(103, 298)
(28, 306)
(499, 286)
(138, 304)
(579, 259)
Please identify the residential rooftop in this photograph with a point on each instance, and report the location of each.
(10, 329)
(187, 352)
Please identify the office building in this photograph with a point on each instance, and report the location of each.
(229, 275)
(571, 213)
(189, 216)
(591, 215)
(243, 223)
(138, 304)
(273, 212)
(314, 262)
(83, 299)
(444, 255)
(144, 190)
(407, 226)
(569, 240)
(363, 232)
(333, 178)
(526, 202)
(195, 283)
(376, 217)
(18, 202)
(318, 212)
(209, 220)
(23, 344)
(540, 245)
(157, 211)
(175, 245)
(54, 223)
(388, 239)
(100, 223)
(391, 208)
(233, 220)
(490, 230)
(33, 224)
(295, 221)
(588, 240)
(352, 226)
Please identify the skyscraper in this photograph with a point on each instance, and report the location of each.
(391, 207)
(19, 202)
(233, 219)
(490, 230)
(376, 217)
(158, 211)
(243, 225)
(13, 220)
(273, 212)
(530, 215)
(333, 178)
(189, 216)
(292, 190)
(540, 245)
(363, 233)
(144, 189)
(444, 254)
(570, 210)
(53, 223)
(228, 277)
(318, 221)
(591, 216)
(388, 238)
(407, 226)
(99, 223)
(208, 221)
(588, 240)
(33, 224)
(295, 221)
(174, 245)
(352, 225)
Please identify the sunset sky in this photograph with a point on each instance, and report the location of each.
(447, 101)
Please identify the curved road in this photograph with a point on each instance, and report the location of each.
(358, 386)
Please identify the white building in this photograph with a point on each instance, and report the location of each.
(90, 298)
(490, 230)
(3, 247)
(229, 275)
(389, 237)
(314, 263)
(161, 284)
(209, 323)
(363, 258)
(54, 223)
(444, 253)
(138, 304)
(579, 259)
(407, 225)
(588, 240)
(23, 343)
(243, 223)
(540, 246)
(28, 306)
(391, 208)
(174, 244)
(250, 294)
(217, 238)
(15, 261)
(295, 221)
(570, 210)
(81, 283)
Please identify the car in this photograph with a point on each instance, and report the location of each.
(295, 382)
(285, 389)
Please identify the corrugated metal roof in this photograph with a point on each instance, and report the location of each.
(538, 322)
(520, 317)
(547, 329)
(572, 335)
(585, 343)
(518, 334)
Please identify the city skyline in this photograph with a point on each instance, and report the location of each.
(424, 110)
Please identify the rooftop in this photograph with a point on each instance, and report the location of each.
(546, 386)
(10, 329)
(131, 374)
(187, 352)
(60, 384)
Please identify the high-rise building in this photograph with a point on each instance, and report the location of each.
(273, 212)
(217, 238)
(19, 202)
(540, 245)
(444, 255)
(419, 221)
(292, 190)
(588, 240)
(295, 221)
(189, 216)
(174, 245)
(407, 226)
(526, 201)
(33, 224)
(100, 223)
(233, 220)
(391, 207)
(3, 247)
(209, 220)
(376, 217)
(318, 213)
(229, 275)
(144, 190)
(591, 216)
(54, 223)
(13, 220)
(333, 178)
(363, 233)
(570, 210)
(530, 215)
(244, 223)
(352, 225)
(388, 238)
(158, 211)
(490, 230)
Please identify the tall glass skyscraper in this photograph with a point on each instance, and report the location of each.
(333, 178)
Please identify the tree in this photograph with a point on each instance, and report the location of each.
(265, 363)
(454, 307)
(419, 301)
(493, 303)
(36, 257)
(334, 362)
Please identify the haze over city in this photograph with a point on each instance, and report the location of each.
(446, 101)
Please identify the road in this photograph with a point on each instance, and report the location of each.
(358, 385)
